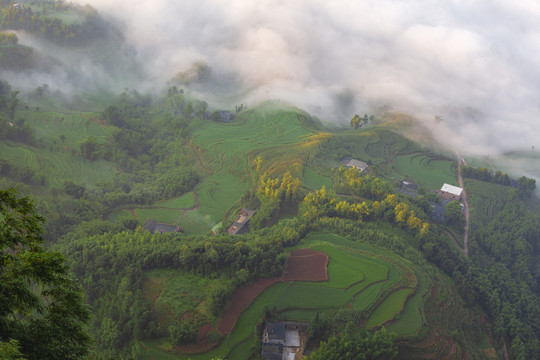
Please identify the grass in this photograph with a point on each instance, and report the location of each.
(53, 158)
(184, 292)
(485, 199)
(411, 320)
(57, 166)
(299, 314)
(430, 172)
(388, 144)
(227, 149)
(185, 201)
(166, 216)
(392, 305)
(315, 296)
(316, 181)
(243, 350)
(301, 300)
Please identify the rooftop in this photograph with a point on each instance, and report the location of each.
(154, 227)
(349, 161)
(451, 189)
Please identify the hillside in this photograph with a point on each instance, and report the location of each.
(99, 176)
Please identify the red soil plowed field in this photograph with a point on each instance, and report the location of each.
(303, 265)
(306, 265)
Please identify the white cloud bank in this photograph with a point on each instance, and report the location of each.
(475, 63)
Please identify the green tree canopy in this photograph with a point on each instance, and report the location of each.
(41, 307)
(453, 213)
(351, 346)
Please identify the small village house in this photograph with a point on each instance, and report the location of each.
(354, 163)
(450, 192)
(240, 224)
(159, 228)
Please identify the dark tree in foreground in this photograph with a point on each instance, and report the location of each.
(42, 312)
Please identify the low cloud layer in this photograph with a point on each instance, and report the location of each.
(474, 63)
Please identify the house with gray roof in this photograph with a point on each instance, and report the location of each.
(159, 228)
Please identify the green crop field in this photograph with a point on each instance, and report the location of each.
(228, 149)
(388, 144)
(411, 320)
(228, 145)
(185, 201)
(58, 167)
(430, 172)
(354, 277)
(216, 194)
(316, 181)
(312, 296)
(485, 199)
(59, 134)
(75, 127)
(393, 304)
(166, 216)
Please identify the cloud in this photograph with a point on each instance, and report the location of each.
(475, 63)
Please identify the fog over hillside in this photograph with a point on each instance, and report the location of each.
(472, 63)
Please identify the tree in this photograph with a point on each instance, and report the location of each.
(41, 306)
(366, 346)
(355, 121)
(453, 213)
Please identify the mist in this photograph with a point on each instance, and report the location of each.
(473, 64)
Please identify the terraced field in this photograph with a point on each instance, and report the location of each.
(430, 172)
(58, 135)
(364, 284)
(57, 166)
(485, 199)
(227, 151)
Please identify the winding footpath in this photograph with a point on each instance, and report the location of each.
(467, 212)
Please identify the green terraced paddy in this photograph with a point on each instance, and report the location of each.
(432, 173)
(387, 144)
(389, 308)
(229, 148)
(185, 201)
(354, 278)
(49, 126)
(411, 320)
(58, 166)
(228, 145)
(315, 296)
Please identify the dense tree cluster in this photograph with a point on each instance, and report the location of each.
(502, 275)
(484, 174)
(367, 345)
(111, 266)
(42, 313)
(325, 203)
(358, 121)
(524, 186)
(8, 38)
(273, 193)
(366, 185)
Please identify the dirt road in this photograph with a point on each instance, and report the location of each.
(460, 179)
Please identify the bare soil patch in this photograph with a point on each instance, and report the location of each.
(306, 265)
